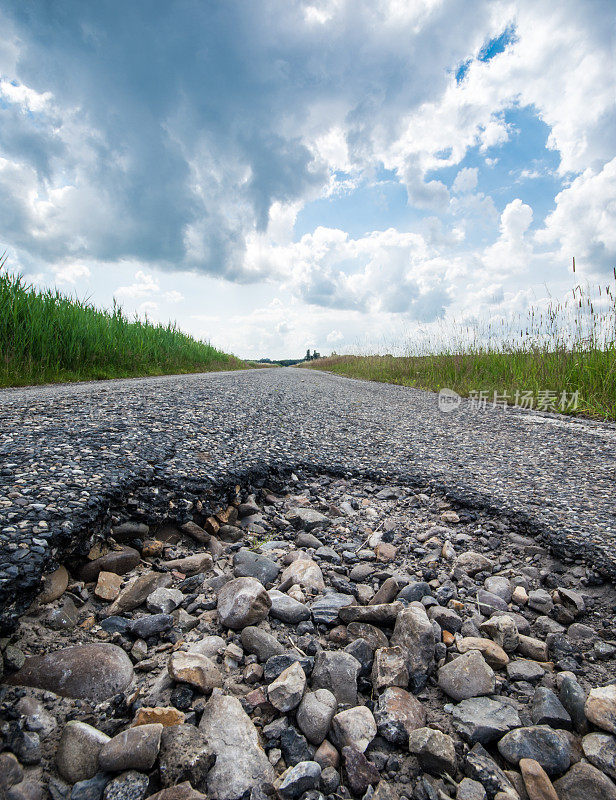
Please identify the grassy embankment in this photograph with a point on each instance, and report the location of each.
(567, 347)
(46, 336)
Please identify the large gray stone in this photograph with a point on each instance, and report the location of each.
(585, 782)
(261, 643)
(600, 750)
(242, 602)
(233, 738)
(185, 755)
(482, 719)
(413, 631)
(78, 751)
(315, 714)
(539, 742)
(88, 671)
(117, 561)
(397, 714)
(286, 608)
(137, 591)
(467, 676)
(134, 748)
(248, 564)
(337, 671)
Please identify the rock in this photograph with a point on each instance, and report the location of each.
(247, 564)
(129, 785)
(533, 648)
(233, 738)
(434, 750)
(447, 618)
(546, 709)
(523, 670)
(185, 755)
(54, 585)
(355, 727)
(91, 789)
(307, 540)
(572, 601)
(536, 781)
(482, 768)
(600, 750)
(600, 707)
(389, 668)
(380, 614)
(585, 782)
(500, 586)
(549, 747)
(303, 572)
(26, 790)
(230, 533)
(164, 601)
(287, 690)
(183, 791)
(503, 630)
(65, 617)
(27, 747)
(118, 562)
(299, 779)
(413, 631)
(337, 671)
(397, 714)
(89, 671)
(325, 609)
(242, 602)
(135, 748)
(375, 637)
(260, 642)
(307, 519)
(469, 789)
(493, 653)
(108, 585)
(413, 592)
(361, 650)
(78, 751)
(330, 780)
(315, 714)
(385, 552)
(165, 715)
(466, 676)
(11, 771)
(210, 646)
(326, 755)
(472, 563)
(276, 665)
(386, 592)
(191, 565)
(194, 669)
(294, 747)
(540, 600)
(137, 591)
(360, 773)
(489, 603)
(482, 719)
(14, 659)
(150, 625)
(573, 698)
(287, 609)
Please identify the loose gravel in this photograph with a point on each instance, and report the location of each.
(69, 452)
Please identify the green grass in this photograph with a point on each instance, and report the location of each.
(46, 337)
(568, 347)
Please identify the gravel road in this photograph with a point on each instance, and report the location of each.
(66, 451)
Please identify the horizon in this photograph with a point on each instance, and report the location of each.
(278, 177)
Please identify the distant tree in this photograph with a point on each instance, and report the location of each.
(308, 354)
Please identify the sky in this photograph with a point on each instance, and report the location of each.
(339, 175)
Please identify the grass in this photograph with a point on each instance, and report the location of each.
(566, 347)
(46, 337)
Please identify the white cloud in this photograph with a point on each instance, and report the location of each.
(466, 180)
(71, 273)
(334, 336)
(144, 284)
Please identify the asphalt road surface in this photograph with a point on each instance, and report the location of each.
(66, 450)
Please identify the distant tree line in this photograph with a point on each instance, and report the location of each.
(289, 362)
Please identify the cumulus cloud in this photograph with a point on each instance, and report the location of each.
(465, 180)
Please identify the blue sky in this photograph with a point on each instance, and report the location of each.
(284, 174)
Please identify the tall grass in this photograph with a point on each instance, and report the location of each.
(46, 336)
(565, 347)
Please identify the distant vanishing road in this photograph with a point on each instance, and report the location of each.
(66, 449)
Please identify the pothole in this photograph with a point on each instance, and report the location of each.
(309, 635)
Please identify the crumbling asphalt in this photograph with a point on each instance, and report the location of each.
(70, 453)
